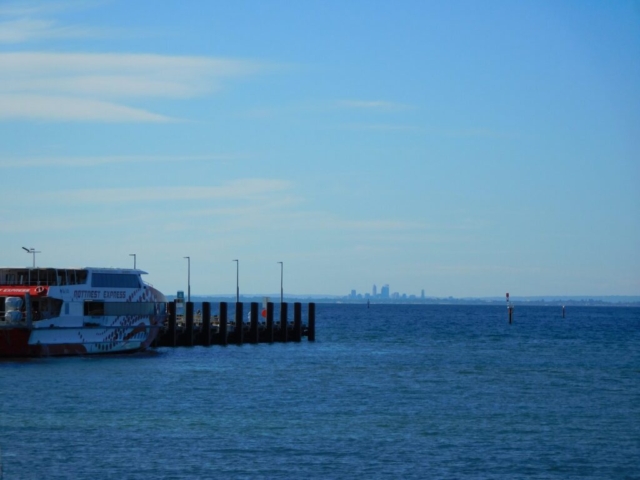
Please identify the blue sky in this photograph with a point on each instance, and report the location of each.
(463, 148)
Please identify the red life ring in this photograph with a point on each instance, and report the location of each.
(39, 289)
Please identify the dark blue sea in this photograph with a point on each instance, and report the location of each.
(390, 391)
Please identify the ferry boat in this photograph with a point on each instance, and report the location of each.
(77, 311)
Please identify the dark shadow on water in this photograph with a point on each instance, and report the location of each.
(144, 355)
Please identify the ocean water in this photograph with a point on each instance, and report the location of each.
(390, 391)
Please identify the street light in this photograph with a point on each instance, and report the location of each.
(237, 279)
(33, 252)
(188, 278)
(134, 259)
(281, 274)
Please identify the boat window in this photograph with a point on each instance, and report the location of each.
(51, 276)
(94, 309)
(81, 277)
(115, 280)
(129, 308)
(76, 277)
(50, 307)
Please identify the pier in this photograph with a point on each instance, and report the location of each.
(206, 329)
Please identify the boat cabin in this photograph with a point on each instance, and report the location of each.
(43, 276)
(15, 283)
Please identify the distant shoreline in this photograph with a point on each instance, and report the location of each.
(601, 301)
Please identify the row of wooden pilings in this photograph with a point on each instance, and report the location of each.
(207, 332)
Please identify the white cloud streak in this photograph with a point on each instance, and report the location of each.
(26, 29)
(244, 189)
(47, 86)
(380, 105)
(93, 87)
(90, 161)
(30, 22)
(118, 75)
(67, 108)
(242, 203)
(382, 127)
(32, 8)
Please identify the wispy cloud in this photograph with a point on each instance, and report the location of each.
(93, 87)
(34, 8)
(236, 205)
(41, 107)
(380, 225)
(435, 132)
(117, 74)
(471, 133)
(382, 127)
(25, 30)
(103, 87)
(243, 189)
(28, 21)
(91, 161)
(78, 220)
(378, 105)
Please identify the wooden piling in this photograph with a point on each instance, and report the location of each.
(510, 315)
(297, 321)
(188, 331)
(239, 324)
(283, 322)
(172, 324)
(269, 331)
(205, 333)
(311, 326)
(222, 328)
(189, 334)
(254, 323)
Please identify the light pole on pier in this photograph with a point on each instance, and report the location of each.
(33, 252)
(281, 275)
(134, 259)
(188, 278)
(237, 279)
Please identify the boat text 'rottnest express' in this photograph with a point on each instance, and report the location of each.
(76, 311)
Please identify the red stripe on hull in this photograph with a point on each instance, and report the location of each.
(14, 342)
(60, 349)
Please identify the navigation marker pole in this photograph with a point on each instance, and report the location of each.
(510, 309)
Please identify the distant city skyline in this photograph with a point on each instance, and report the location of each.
(385, 293)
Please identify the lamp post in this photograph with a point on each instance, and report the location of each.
(281, 275)
(134, 259)
(33, 252)
(188, 278)
(237, 279)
